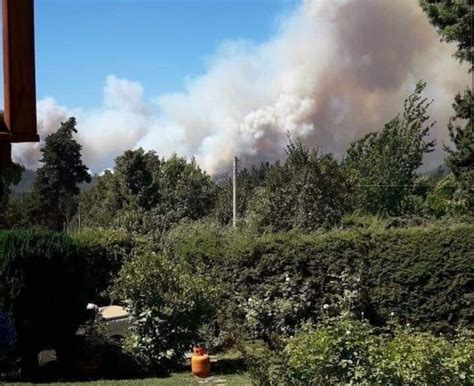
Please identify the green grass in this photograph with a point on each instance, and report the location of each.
(176, 379)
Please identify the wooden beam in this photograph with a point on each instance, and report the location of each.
(5, 154)
(5, 145)
(19, 70)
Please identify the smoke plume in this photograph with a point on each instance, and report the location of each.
(334, 71)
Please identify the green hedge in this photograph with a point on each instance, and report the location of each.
(43, 288)
(105, 250)
(346, 351)
(424, 275)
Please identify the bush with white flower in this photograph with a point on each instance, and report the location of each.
(279, 311)
(168, 304)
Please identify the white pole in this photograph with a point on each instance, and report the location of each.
(234, 193)
(79, 219)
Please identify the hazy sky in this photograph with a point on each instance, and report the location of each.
(214, 79)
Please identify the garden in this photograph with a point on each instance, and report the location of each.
(365, 305)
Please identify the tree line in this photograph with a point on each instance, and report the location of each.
(379, 174)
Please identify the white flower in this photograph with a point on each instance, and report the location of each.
(287, 279)
(392, 313)
(348, 332)
(325, 306)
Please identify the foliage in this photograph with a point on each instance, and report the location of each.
(412, 358)
(249, 180)
(56, 186)
(105, 250)
(384, 162)
(352, 352)
(343, 350)
(146, 194)
(8, 176)
(338, 354)
(453, 21)
(446, 199)
(168, 304)
(307, 192)
(273, 283)
(43, 289)
(7, 334)
(461, 159)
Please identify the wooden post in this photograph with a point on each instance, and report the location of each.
(5, 145)
(19, 70)
(5, 154)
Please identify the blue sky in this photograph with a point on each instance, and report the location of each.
(157, 42)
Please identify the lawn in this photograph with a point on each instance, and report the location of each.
(176, 379)
(229, 369)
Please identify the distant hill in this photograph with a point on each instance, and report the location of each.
(26, 183)
(28, 177)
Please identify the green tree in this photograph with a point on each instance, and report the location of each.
(186, 193)
(309, 191)
(460, 160)
(8, 176)
(384, 162)
(249, 180)
(453, 21)
(56, 186)
(100, 204)
(147, 194)
(137, 174)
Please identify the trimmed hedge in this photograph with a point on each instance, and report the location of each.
(43, 289)
(424, 275)
(105, 250)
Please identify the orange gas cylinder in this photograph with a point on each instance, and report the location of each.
(200, 363)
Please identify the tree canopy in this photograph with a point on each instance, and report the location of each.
(453, 21)
(146, 193)
(56, 186)
(384, 162)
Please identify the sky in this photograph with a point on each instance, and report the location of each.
(214, 79)
(159, 43)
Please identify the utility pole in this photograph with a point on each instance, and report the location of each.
(79, 218)
(234, 193)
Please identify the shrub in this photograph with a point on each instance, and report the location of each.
(265, 367)
(330, 354)
(43, 289)
(168, 304)
(460, 363)
(106, 250)
(423, 274)
(350, 352)
(412, 358)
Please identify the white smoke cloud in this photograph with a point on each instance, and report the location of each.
(334, 70)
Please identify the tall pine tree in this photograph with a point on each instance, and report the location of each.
(56, 186)
(453, 20)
